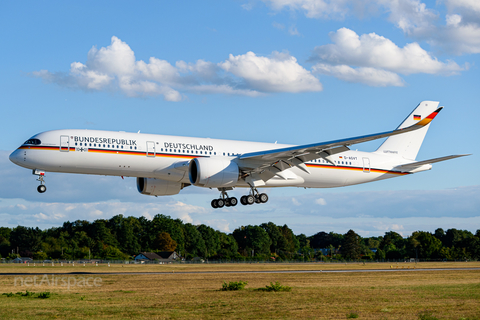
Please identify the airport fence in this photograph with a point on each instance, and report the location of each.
(210, 261)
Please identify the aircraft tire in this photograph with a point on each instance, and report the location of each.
(41, 188)
(250, 199)
(233, 201)
(214, 204)
(220, 203)
(243, 200)
(263, 197)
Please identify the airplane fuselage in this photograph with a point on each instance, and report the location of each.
(166, 157)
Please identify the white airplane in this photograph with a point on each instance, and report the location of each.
(164, 165)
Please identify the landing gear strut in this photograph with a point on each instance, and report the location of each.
(224, 200)
(41, 188)
(254, 197)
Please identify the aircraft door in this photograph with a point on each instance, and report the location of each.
(150, 149)
(366, 165)
(64, 143)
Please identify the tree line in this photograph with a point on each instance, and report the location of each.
(121, 238)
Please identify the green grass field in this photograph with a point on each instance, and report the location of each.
(446, 294)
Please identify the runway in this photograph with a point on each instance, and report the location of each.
(238, 272)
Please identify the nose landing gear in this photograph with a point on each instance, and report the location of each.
(41, 188)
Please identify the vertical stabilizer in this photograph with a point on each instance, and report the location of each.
(408, 144)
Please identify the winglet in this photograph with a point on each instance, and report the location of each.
(428, 118)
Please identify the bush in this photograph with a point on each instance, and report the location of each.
(44, 295)
(233, 286)
(26, 294)
(277, 287)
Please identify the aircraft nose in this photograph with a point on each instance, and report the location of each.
(15, 156)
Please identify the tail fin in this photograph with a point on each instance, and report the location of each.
(408, 144)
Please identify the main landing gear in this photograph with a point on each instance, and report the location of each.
(224, 200)
(253, 197)
(41, 188)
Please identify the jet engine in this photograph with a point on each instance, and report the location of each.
(213, 172)
(157, 187)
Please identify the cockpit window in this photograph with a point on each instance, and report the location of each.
(33, 141)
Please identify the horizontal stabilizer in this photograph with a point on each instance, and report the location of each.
(413, 165)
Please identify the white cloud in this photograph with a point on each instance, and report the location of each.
(369, 76)
(337, 9)
(279, 73)
(321, 201)
(183, 210)
(293, 31)
(277, 25)
(405, 14)
(115, 68)
(377, 59)
(296, 202)
(413, 17)
(375, 51)
(466, 5)
(410, 15)
(457, 36)
(219, 224)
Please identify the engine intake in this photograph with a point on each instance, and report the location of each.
(213, 173)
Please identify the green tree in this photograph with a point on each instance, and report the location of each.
(113, 253)
(212, 242)
(128, 231)
(174, 227)
(163, 242)
(428, 245)
(40, 255)
(5, 248)
(439, 234)
(394, 245)
(26, 239)
(351, 246)
(228, 246)
(380, 255)
(323, 240)
(252, 238)
(194, 243)
(279, 243)
(292, 244)
(101, 233)
(454, 237)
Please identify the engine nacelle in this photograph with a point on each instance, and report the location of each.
(213, 172)
(157, 187)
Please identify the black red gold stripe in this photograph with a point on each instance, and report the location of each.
(323, 166)
(187, 157)
(56, 148)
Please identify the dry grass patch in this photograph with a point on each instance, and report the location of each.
(450, 294)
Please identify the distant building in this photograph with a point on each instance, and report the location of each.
(22, 260)
(164, 256)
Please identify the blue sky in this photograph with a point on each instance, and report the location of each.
(292, 71)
